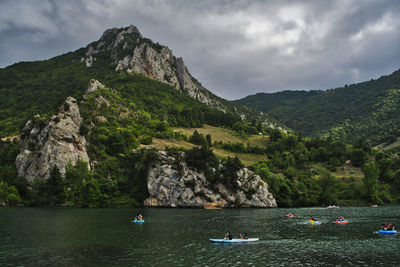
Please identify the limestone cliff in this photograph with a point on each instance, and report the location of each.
(55, 142)
(171, 183)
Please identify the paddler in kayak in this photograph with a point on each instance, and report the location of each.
(312, 218)
(384, 226)
(390, 227)
(245, 236)
(139, 217)
(228, 236)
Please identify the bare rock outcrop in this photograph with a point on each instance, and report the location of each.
(56, 142)
(171, 183)
(93, 86)
(134, 54)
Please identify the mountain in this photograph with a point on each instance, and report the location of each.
(369, 110)
(29, 88)
(122, 122)
(95, 139)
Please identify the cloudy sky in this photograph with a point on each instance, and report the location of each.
(234, 48)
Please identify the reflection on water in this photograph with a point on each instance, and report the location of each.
(179, 237)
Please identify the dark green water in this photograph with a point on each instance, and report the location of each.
(179, 237)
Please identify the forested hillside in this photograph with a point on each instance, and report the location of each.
(125, 121)
(369, 111)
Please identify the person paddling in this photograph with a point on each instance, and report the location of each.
(384, 226)
(228, 236)
(245, 236)
(139, 217)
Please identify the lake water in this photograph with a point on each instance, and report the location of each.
(179, 237)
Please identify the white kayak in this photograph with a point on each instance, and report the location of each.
(235, 240)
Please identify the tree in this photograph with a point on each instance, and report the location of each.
(9, 194)
(208, 138)
(75, 177)
(358, 157)
(328, 185)
(198, 139)
(55, 188)
(371, 175)
(91, 193)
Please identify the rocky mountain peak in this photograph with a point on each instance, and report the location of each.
(112, 37)
(131, 52)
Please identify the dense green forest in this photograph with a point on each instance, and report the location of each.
(368, 110)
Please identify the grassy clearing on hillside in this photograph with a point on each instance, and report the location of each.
(349, 171)
(345, 171)
(385, 147)
(258, 140)
(246, 159)
(225, 135)
(217, 133)
(161, 144)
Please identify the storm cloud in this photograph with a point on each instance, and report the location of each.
(234, 48)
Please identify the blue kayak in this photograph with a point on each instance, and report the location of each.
(235, 240)
(387, 232)
(138, 221)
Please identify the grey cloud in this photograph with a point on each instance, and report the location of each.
(234, 48)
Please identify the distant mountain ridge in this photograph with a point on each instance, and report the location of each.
(369, 110)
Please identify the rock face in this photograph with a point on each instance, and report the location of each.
(131, 52)
(171, 183)
(93, 86)
(52, 143)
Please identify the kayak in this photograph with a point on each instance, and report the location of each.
(290, 216)
(138, 221)
(387, 232)
(341, 222)
(235, 240)
(312, 222)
